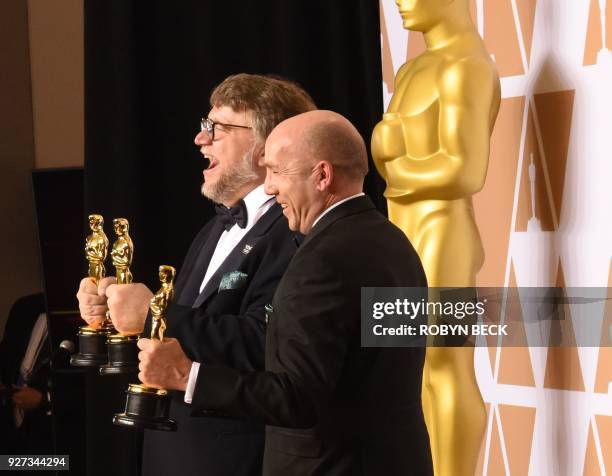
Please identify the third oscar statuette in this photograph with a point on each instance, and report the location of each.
(92, 341)
(122, 348)
(148, 407)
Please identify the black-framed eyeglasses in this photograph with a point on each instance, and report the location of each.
(208, 125)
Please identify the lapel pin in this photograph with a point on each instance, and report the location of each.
(247, 249)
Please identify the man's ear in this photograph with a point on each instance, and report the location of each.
(259, 153)
(325, 175)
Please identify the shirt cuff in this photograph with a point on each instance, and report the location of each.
(191, 383)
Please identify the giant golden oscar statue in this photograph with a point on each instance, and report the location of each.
(432, 148)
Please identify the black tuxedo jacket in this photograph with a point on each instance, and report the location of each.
(333, 407)
(225, 324)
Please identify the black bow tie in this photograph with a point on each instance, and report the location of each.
(236, 215)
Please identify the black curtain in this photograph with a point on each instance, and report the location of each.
(149, 70)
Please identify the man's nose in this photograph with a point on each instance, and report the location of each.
(269, 187)
(202, 138)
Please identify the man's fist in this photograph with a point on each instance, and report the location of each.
(128, 305)
(92, 301)
(163, 364)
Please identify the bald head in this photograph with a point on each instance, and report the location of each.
(325, 135)
(314, 160)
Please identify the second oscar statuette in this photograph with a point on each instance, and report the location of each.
(148, 407)
(122, 349)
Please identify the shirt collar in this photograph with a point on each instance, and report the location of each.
(254, 201)
(329, 209)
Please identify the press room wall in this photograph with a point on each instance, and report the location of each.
(550, 409)
(41, 96)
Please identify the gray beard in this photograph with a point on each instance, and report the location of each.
(231, 181)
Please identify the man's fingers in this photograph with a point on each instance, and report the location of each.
(93, 319)
(108, 291)
(89, 299)
(94, 311)
(104, 284)
(91, 306)
(93, 322)
(86, 299)
(144, 344)
(142, 356)
(87, 286)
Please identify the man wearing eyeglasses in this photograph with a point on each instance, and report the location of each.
(228, 277)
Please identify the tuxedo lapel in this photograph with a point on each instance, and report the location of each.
(197, 267)
(240, 252)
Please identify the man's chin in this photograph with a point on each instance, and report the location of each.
(208, 191)
(212, 193)
(293, 226)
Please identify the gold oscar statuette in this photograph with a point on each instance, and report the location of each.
(122, 348)
(148, 407)
(92, 341)
(96, 248)
(123, 251)
(432, 149)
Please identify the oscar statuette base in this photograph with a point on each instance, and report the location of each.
(146, 407)
(92, 347)
(122, 355)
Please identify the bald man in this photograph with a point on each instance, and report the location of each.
(331, 406)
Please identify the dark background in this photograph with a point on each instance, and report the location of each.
(149, 70)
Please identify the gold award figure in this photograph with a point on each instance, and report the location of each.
(92, 338)
(122, 348)
(96, 248)
(122, 252)
(159, 302)
(145, 406)
(432, 148)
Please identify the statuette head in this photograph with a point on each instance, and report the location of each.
(121, 226)
(166, 273)
(96, 222)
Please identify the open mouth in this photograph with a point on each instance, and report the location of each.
(212, 163)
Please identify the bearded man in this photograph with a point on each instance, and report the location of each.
(228, 277)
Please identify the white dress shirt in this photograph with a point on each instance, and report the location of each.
(257, 203)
